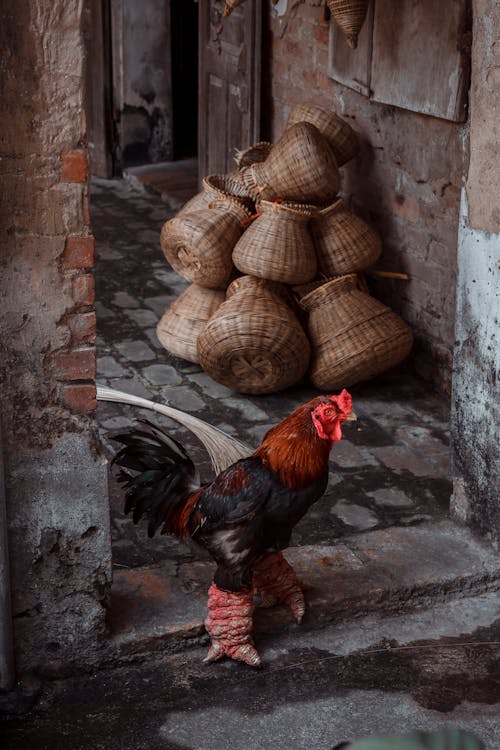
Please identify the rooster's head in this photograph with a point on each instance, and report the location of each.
(328, 416)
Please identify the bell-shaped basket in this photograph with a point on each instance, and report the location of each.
(339, 134)
(353, 336)
(183, 321)
(300, 167)
(350, 16)
(254, 343)
(253, 154)
(344, 243)
(277, 244)
(199, 244)
(220, 188)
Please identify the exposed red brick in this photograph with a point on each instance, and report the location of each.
(74, 166)
(83, 289)
(78, 253)
(321, 34)
(86, 209)
(80, 397)
(78, 364)
(82, 327)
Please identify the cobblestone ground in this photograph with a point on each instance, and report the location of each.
(391, 468)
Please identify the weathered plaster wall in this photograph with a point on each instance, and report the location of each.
(475, 402)
(55, 475)
(146, 106)
(406, 181)
(482, 177)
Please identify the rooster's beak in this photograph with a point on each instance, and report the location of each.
(351, 417)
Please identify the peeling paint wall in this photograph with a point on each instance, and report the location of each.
(475, 401)
(55, 474)
(405, 182)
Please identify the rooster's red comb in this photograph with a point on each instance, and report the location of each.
(343, 401)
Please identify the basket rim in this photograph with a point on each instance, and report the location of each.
(302, 210)
(322, 290)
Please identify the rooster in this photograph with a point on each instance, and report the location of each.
(244, 517)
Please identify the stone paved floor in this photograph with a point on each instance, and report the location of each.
(391, 468)
(401, 629)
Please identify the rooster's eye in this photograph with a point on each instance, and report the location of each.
(329, 412)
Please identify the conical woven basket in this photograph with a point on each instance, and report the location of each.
(253, 154)
(183, 321)
(199, 244)
(339, 134)
(344, 243)
(229, 6)
(300, 167)
(221, 188)
(277, 244)
(353, 336)
(254, 343)
(350, 16)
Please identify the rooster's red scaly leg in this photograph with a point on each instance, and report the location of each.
(229, 623)
(275, 582)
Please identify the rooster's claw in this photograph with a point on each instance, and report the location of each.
(246, 653)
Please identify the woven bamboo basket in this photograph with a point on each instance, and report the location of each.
(353, 336)
(254, 343)
(199, 244)
(229, 6)
(339, 134)
(300, 167)
(350, 16)
(220, 188)
(253, 155)
(183, 321)
(277, 245)
(344, 243)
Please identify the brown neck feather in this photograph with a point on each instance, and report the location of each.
(294, 450)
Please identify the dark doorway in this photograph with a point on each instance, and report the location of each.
(184, 25)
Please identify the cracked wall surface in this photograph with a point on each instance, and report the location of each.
(55, 472)
(475, 402)
(405, 182)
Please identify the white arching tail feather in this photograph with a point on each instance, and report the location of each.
(223, 449)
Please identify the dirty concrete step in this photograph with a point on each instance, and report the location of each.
(163, 608)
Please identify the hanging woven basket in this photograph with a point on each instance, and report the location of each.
(277, 245)
(230, 5)
(300, 167)
(353, 336)
(183, 321)
(199, 244)
(349, 15)
(254, 343)
(339, 134)
(344, 243)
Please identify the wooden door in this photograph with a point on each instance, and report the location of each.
(229, 83)
(98, 97)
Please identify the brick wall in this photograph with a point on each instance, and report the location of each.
(406, 181)
(55, 474)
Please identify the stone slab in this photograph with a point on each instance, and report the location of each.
(389, 569)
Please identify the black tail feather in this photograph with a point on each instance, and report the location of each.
(156, 473)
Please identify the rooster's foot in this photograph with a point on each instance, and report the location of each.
(229, 624)
(275, 582)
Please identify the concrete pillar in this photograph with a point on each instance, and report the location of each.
(476, 396)
(55, 474)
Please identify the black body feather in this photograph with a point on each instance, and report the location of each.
(157, 474)
(243, 513)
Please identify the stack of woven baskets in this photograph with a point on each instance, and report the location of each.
(274, 260)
